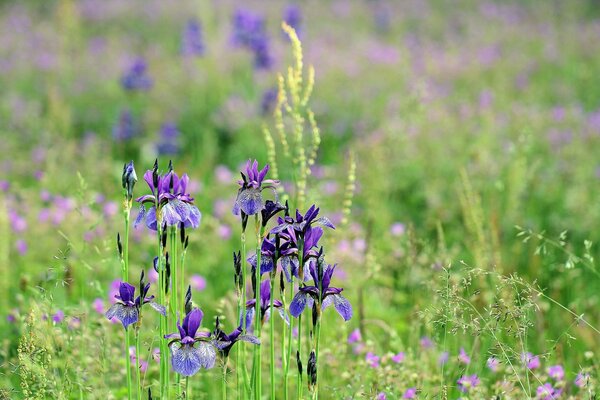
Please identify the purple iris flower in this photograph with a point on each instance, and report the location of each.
(466, 382)
(307, 295)
(190, 349)
(267, 256)
(170, 197)
(127, 308)
(265, 306)
(168, 139)
(249, 199)
(192, 43)
(136, 76)
(224, 342)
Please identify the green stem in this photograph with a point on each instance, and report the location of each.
(137, 362)
(272, 335)
(288, 350)
(128, 363)
(164, 372)
(224, 381)
(125, 278)
(243, 319)
(298, 349)
(174, 297)
(257, 311)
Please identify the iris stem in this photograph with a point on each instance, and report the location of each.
(224, 381)
(272, 333)
(299, 342)
(242, 317)
(125, 278)
(163, 319)
(257, 310)
(288, 355)
(137, 361)
(174, 297)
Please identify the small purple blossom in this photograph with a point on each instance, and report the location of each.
(136, 76)
(292, 16)
(556, 372)
(466, 382)
(372, 359)
(249, 199)
(547, 392)
(265, 306)
(398, 358)
(463, 357)
(410, 393)
(126, 127)
(582, 379)
(168, 139)
(354, 336)
(198, 282)
(398, 229)
(249, 32)
(493, 363)
(58, 317)
(98, 305)
(426, 342)
(443, 358)
(530, 361)
(21, 246)
(381, 396)
(192, 43)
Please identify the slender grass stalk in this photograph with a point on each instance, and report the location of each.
(318, 338)
(287, 344)
(242, 319)
(272, 335)
(128, 364)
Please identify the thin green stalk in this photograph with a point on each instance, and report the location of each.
(164, 372)
(272, 335)
(174, 297)
(298, 349)
(128, 363)
(137, 361)
(288, 350)
(125, 278)
(257, 311)
(318, 339)
(243, 322)
(224, 380)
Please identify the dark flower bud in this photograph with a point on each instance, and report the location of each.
(155, 174)
(168, 274)
(149, 394)
(271, 208)
(155, 264)
(315, 314)
(253, 282)
(128, 179)
(171, 183)
(299, 362)
(163, 238)
(281, 284)
(188, 300)
(244, 220)
(171, 166)
(119, 245)
(187, 241)
(311, 370)
(182, 233)
(287, 209)
(237, 269)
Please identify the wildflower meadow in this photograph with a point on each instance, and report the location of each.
(345, 199)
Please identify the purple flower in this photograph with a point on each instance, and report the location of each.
(58, 317)
(426, 342)
(466, 382)
(372, 359)
(398, 229)
(268, 101)
(128, 180)
(411, 393)
(170, 197)
(4, 186)
(198, 282)
(325, 297)
(547, 392)
(249, 32)
(136, 76)
(582, 379)
(265, 306)
(398, 358)
(98, 305)
(530, 361)
(190, 349)
(292, 16)
(224, 342)
(21, 246)
(192, 43)
(381, 396)
(354, 336)
(443, 358)
(249, 198)
(168, 139)
(463, 357)
(18, 223)
(556, 372)
(267, 256)
(493, 363)
(126, 128)
(127, 307)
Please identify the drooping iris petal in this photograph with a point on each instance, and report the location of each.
(324, 221)
(158, 307)
(289, 264)
(207, 354)
(186, 360)
(194, 217)
(151, 218)
(342, 306)
(249, 200)
(266, 263)
(249, 338)
(140, 217)
(126, 314)
(298, 304)
(170, 215)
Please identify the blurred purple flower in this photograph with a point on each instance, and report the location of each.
(126, 128)
(372, 359)
(398, 229)
(354, 336)
(426, 342)
(530, 361)
(136, 76)
(411, 393)
(292, 15)
(556, 372)
(547, 392)
(110, 209)
(443, 358)
(249, 32)
(168, 142)
(381, 396)
(223, 174)
(198, 282)
(463, 357)
(98, 305)
(18, 223)
(582, 379)
(192, 43)
(58, 317)
(398, 358)
(493, 363)
(466, 382)
(4, 186)
(21, 246)
(268, 101)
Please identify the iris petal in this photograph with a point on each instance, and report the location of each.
(249, 200)
(185, 359)
(126, 314)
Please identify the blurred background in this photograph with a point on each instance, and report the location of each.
(464, 119)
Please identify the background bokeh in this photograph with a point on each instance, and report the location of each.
(474, 126)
